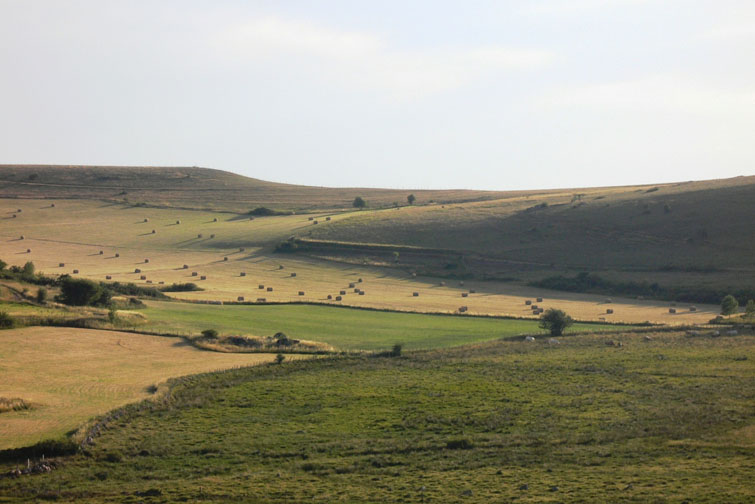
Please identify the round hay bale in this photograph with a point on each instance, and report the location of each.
(260, 286)
(194, 273)
(315, 222)
(154, 232)
(161, 283)
(539, 300)
(415, 294)
(672, 310)
(146, 220)
(240, 298)
(343, 292)
(311, 219)
(215, 219)
(143, 277)
(185, 266)
(330, 297)
(609, 311)
(102, 252)
(251, 218)
(693, 308)
(261, 300)
(28, 251)
(327, 218)
(137, 270)
(361, 293)
(280, 266)
(117, 254)
(19, 210)
(472, 291)
(463, 309)
(149, 281)
(269, 289)
(146, 260)
(243, 273)
(301, 293)
(225, 258)
(357, 290)
(351, 285)
(21, 237)
(212, 236)
(108, 277)
(528, 302)
(241, 249)
(52, 205)
(464, 294)
(14, 216)
(293, 274)
(338, 298)
(75, 272)
(203, 277)
(199, 235)
(61, 265)
(178, 222)
(360, 280)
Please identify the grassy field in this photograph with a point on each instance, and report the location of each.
(74, 232)
(343, 328)
(69, 375)
(664, 419)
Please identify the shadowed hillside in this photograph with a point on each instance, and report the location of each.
(192, 187)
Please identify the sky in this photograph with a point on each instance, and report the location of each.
(417, 94)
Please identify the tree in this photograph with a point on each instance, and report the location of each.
(41, 295)
(210, 333)
(750, 308)
(279, 358)
(411, 199)
(555, 321)
(6, 321)
(729, 305)
(28, 269)
(359, 202)
(3, 264)
(82, 292)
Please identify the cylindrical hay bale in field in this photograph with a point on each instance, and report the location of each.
(330, 296)
(14, 216)
(301, 293)
(311, 219)
(315, 222)
(241, 249)
(212, 236)
(146, 220)
(361, 293)
(137, 270)
(215, 219)
(261, 300)
(154, 232)
(178, 222)
(146, 260)
(693, 308)
(528, 302)
(160, 283)
(185, 266)
(338, 298)
(462, 309)
(75, 272)
(351, 285)
(280, 266)
(251, 218)
(343, 292)
(472, 291)
(225, 258)
(108, 277)
(672, 310)
(293, 274)
(21, 237)
(117, 254)
(199, 235)
(194, 273)
(149, 281)
(464, 294)
(19, 210)
(240, 298)
(534, 307)
(360, 280)
(102, 252)
(143, 277)
(28, 251)
(327, 218)
(609, 311)
(203, 277)
(539, 300)
(269, 289)
(260, 286)
(415, 294)
(357, 290)
(61, 265)
(243, 273)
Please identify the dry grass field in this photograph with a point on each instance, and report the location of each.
(74, 233)
(70, 375)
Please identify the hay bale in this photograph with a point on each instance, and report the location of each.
(351, 285)
(260, 286)
(528, 302)
(301, 293)
(199, 235)
(19, 210)
(463, 309)
(117, 254)
(203, 277)
(293, 274)
(243, 273)
(338, 298)
(361, 293)
(146, 220)
(464, 294)
(280, 266)
(194, 273)
(241, 249)
(672, 310)
(472, 291)
(101, 252)
(311, 219)
(529, 338)
(609, 300)
(415, 294)
(693, 308)
(212, 236)
(269, 289)
(215, 219)
(240, 298)
(225, 258)
(154, 232)
(178, 222)
(75, 272)
(315, 222)
(356, 289)
(21, 237)
(261, 300)
(251, 218)
(149, 281)
(28, 251)
(327, 218)
(185, 266)
(330, 297)
(137, 270)
(146, 260)
(108, 277)
(539, 300)
(360, 280)
(160, 283)
(534, 307)
(52, 205)
(143, 277)
(14, 216)
(609, 311)
(61, 265)
(343, 292)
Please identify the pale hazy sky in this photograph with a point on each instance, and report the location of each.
(420, 94)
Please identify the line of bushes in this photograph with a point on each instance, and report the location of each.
(595, 284)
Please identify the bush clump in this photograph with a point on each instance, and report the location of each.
(555, 321)
(181, 287)
(729, 305)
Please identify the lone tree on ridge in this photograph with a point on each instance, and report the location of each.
(359, 202)
(555, 321)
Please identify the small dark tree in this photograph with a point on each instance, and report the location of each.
(396, 350)
(750, 308)
(210, 333)
(279, 358)
(555, 321)
(411, 199)
(729, 305)
(28, 269)
(3, 264)
(41, 295)
(82, 292)
(359, 202)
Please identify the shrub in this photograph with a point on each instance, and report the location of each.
(729, 305)
(279, 358)
(6, 321)
(210, 333)
(555, 321)
(359, 202)
(396, 350)
(28, 269)
(411, 199)
(750, 308)
(181, 287)
(3, 264)
(41, 295)
(82, 292)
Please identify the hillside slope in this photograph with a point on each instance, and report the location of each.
(192, 187)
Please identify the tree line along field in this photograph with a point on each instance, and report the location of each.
(662, 418)
(69, 375)
(73, 233)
